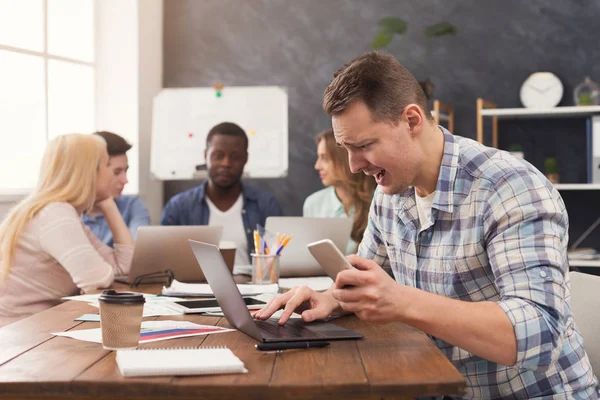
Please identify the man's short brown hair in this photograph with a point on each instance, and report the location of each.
(115, 144)
(378, 79)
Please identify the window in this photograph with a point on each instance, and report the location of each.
(47, 82)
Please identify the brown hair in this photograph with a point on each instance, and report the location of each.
(115, 144)
(378, 79)
(360, 186)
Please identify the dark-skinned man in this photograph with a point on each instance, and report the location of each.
(223, 199)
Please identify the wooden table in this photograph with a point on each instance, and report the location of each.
(393, 361)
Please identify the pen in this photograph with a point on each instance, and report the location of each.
(289, 345)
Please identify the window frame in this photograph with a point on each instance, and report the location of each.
(13, 194)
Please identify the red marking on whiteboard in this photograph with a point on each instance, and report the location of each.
(190, 135)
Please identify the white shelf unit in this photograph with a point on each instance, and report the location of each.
(577, 186)
(555, 112)
(487, 108)
(584, 263)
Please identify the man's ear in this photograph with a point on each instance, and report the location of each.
(246, 157)
(206, 155)
(415, 117)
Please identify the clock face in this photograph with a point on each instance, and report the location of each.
(541, 90)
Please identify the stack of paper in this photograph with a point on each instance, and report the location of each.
(203, 289)
(93, 298)
(154, 306)
(152, 331)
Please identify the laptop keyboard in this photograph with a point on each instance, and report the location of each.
(272, 329)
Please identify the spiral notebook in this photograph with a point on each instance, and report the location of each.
(179, 361)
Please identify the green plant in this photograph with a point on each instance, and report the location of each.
(585, 100)
(391, 26)
(551, 165)
(515, 148)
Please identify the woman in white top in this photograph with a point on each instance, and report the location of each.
(46, 252)
(346, 194)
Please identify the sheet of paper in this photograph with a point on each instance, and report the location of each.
(93, 298)
(203, 289)
(88, 318)
(151, 309)
(154, 309)
(154, 306)
(151, 331)
(316, 283)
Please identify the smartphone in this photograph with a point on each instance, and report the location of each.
(211, 305)
(329, 257)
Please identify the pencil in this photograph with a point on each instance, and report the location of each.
(285, 242)
(282, 245)
(277, 240)
(257, 256)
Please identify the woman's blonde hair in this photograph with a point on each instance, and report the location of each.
(68, 174)
(360, 186)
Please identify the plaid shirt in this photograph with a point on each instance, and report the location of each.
(498, 232)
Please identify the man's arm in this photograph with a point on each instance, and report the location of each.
(480, 328)
(171, 214)
(527, 228)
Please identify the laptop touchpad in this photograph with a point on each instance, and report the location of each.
(321, 327)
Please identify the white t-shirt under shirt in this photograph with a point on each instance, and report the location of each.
(233, 229)
(424, 205)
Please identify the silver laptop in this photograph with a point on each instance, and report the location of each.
(159, 248)
(295, 259)
(232, 304)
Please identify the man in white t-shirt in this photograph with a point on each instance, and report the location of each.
(223, 199)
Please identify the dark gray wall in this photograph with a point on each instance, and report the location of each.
(300, 43)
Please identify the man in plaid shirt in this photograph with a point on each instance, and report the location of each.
(475, 239)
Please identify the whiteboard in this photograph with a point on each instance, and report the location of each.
(182, 118)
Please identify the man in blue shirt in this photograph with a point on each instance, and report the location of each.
(132, 209)
(223, 199)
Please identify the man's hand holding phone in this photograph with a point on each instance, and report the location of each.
(361, 286)
(369, 292)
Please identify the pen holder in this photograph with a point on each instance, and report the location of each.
(265, 269)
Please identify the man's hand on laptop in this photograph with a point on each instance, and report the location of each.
(302, 300)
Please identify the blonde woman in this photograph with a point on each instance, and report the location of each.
(346, 194)
(46, 252)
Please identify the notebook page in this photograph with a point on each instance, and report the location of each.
(178, 361)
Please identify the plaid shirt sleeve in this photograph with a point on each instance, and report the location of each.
(372, 246)
(526, 236)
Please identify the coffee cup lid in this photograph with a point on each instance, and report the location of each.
(113, 297)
